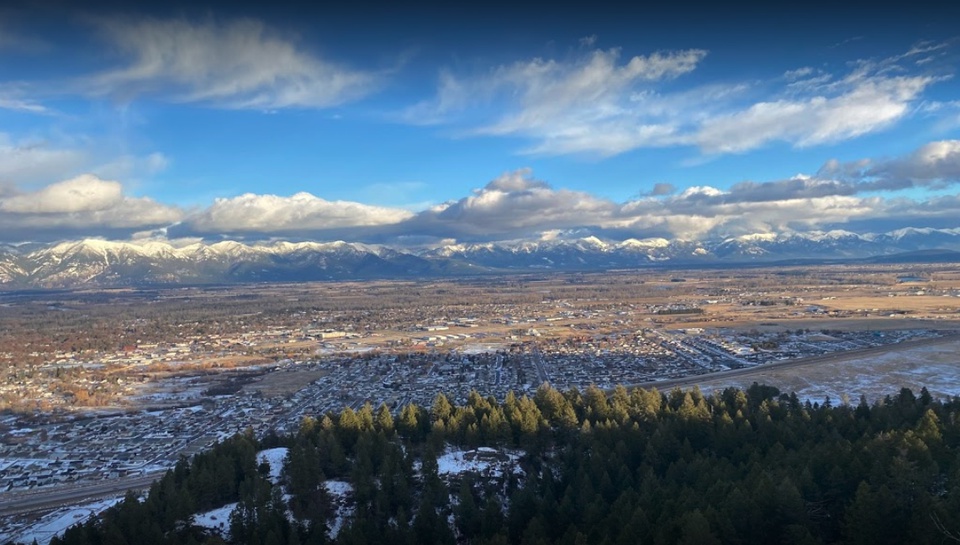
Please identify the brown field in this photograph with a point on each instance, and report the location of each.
(284, 383)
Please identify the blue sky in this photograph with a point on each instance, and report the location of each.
(439, 123)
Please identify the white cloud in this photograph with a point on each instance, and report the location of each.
(517, 205)
(705, 212)
(512, 203)
(934, 162)
(33, 162)
(585, 104)
(870, 105)
(14, 96)
(27, 161)
(300, 213)
(82, 205)
(85, 193)
(238, 64)
(803, 72)
(598, 104)
(22, 105)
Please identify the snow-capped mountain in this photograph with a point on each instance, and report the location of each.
(93, 262)
(11, 265)
(99, 262)
(920, 239)
(823, 245)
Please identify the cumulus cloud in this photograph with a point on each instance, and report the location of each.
(799, 186)
(85, 205)
(82, 194)
(834, 197)
(301, 213)
(239, 64)
(936, 162)
(513, 203)
(518, 205)
(706, 212)
(933, 165)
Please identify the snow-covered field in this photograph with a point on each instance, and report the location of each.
(935, 366)
(56, 522)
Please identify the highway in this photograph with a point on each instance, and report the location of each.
(23, 502)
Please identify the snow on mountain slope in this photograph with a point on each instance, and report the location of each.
(102, 262)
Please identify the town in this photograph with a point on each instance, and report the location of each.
(158, 374)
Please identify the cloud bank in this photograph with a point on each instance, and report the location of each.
(81, 206)
(301, 213)
(859, 194)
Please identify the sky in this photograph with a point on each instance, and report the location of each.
(425, 124)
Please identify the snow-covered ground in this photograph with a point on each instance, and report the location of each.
(485, 461)
(216, 519)
(274, 458)
(481, 348)
(934, 366)
(338, 488)
(339, 493)
(56, 522)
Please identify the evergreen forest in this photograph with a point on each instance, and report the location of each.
(624, 467)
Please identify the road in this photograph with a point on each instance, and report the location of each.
(799, 362)
(22, 502)
(542, 375)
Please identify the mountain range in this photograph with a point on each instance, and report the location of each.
(101, 263)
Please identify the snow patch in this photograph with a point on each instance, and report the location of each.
(217, 519)
(274, 458)
(485, 461)
(338, 488)
(340, 492)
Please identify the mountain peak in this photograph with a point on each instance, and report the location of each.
(103, 262)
